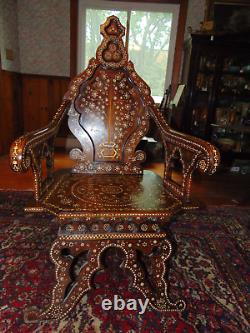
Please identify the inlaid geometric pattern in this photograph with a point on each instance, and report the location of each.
(111, 111)
(116, 195)
(108, 114)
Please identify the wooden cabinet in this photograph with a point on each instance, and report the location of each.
(217, 73)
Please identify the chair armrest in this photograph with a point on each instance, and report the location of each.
(203, 155)
(192, 152)
(31, 148)
(22, 150)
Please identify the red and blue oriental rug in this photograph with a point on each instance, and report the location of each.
(210, 270)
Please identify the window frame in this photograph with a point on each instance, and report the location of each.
(127, 6)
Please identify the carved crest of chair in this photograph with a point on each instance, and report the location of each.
(107, 200)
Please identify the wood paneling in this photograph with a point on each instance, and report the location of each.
(11, 124)
(73, 36)
(41, 96)
(28, 102)
(57, 88)
(35, 102)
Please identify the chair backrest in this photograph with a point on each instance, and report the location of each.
(108, 113)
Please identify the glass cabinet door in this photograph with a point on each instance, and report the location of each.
(231, 126)
(204, 82)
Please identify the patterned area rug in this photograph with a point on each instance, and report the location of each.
(210, 270)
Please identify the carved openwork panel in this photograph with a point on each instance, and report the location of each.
(83, 256)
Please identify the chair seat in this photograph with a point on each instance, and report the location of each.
(87, 195)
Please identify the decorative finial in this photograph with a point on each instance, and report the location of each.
(112, 52)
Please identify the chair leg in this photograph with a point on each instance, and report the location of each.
(148, 274)
(63, 300)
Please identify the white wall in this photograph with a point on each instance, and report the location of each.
(38, 32)
(9, 34)
(44, 36)
(195, 14)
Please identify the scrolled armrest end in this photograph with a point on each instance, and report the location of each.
(20, 160)
(206, 157)
(209, 162)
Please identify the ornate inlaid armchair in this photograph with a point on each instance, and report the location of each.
(107, 200)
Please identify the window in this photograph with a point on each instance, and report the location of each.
(151, 39)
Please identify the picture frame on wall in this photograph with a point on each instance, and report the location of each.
(229, 15)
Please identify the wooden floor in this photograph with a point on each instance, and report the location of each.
(219, 189)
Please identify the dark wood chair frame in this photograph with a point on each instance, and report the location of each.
(150, 237)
